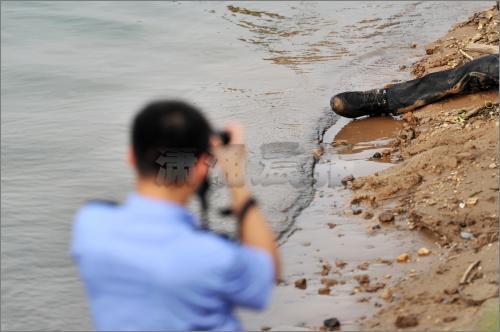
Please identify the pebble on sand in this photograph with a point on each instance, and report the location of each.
(348, 178)
(403, 258)
(325, 269)
(340, 263)
(387, 295)
(423, 251)
(331, 324)
(406, 321)
(386, 216)
(471, 201)
(324, 291)
(301, 283)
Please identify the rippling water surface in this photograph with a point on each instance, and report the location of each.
(74, 73)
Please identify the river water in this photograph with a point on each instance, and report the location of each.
(74, 73)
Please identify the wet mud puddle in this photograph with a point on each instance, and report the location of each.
(348, 261)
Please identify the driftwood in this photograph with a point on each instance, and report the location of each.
(467, 274)
(482, 48)
(472, 112)
(466, 55)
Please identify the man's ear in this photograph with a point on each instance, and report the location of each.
(131, 157)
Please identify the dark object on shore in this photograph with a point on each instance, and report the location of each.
(406, 321)
(477, 75)
(301, 283)
(377, 155)
(331, 324)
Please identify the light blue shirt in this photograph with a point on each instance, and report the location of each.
(147, 266)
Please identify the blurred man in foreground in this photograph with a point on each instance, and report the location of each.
(148, 264)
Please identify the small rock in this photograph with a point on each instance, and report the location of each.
(492, 166)
(471, 201)
(387, 295)
(301, 283)
(329, 282)
(423, 251)
(331, 225)
(449, 319)
(363, 266)
(348, 178)
(374, 227)
(367, 215)
(375, 287)
(476, 37)
(429, 50)
(324, 291)
(331, 324)
(402, 67)
(386, 216)
(466, 235)
(265, 328)
(451, 291)
(403, 258)
(356, 210)
(340, 263)
(413, 45)
(377, 155)
(362, 279)
(325, 269)
(406, 321)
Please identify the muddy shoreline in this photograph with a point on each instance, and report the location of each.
(446, 185)
(363, 253)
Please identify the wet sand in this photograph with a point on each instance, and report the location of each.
(327, 233)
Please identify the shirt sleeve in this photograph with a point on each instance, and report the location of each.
(249, 280)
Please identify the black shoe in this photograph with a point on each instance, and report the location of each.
(358, 103)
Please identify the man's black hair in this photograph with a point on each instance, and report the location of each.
(167, 125)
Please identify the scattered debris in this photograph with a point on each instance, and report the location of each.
(331, 225)
(324, 291)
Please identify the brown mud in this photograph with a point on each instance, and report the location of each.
(385, 242)
(446, 185)
(340, 257)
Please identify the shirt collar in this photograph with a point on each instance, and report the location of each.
(161, 209)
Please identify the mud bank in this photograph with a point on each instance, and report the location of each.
(445, 185)
(339, 261)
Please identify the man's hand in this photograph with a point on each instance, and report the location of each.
(231, 158)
